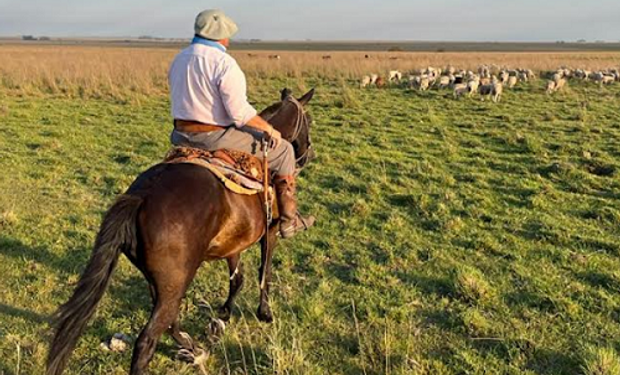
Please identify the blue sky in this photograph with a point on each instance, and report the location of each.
(458, 20)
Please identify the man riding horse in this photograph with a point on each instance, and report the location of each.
(211, 111)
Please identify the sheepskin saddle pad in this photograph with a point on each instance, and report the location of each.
(240, 172)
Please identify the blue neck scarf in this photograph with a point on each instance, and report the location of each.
(207, 42)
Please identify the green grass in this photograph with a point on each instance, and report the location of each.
(454, 237)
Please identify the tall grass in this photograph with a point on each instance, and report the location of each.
(81, 71)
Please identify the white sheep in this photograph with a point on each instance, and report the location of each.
(444, 82)
(395, 76)
(503, 77)
(496, 93)
(559, 85)
(608, 80)
(424, 84)
(473, 86)
(512, 82)
(365, 82)
(460, 90)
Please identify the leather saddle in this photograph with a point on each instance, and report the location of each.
(241, 172)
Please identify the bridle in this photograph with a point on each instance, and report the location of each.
(300, 122)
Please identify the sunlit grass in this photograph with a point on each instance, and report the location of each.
(453, 236)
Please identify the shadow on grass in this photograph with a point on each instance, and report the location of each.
(550, 362)
(528, 299)
(429, 285)
(67, 264)
(64, 266)
(17, 312)
(600, 280)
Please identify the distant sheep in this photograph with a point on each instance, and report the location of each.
(395, 76)
(497, 91)
(424, 84)
(559, 85)
(555, 86)
(473, 86)
(608, 80)
(444, 82)
(512, 81)
(365, 82)
(486, 89)
(460, 90)
(504, 77)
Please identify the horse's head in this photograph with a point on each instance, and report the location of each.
(290, 118)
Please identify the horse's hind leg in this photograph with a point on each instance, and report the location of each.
(164, 314)
(236, 282)
(167, 292)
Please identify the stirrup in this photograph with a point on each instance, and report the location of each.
(304, 221)
(295, 227)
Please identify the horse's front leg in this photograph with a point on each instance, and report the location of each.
(236, 282)
(264, 274)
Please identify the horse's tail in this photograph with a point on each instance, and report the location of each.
(117, 233)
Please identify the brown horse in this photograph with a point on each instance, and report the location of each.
(171, 219)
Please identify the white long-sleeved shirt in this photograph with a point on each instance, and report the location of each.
(208, 86)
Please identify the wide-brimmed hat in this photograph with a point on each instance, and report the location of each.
(214, 24)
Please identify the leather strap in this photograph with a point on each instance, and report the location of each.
(187, 126)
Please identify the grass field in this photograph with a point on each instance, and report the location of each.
(455, 237)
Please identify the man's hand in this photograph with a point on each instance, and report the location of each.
(276, 137)
(258, 123)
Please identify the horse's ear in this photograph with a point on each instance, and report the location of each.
(306, 98)
(285, 93)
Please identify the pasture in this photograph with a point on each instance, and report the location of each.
(454, 236)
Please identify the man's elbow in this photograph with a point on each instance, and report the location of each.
(242, 118)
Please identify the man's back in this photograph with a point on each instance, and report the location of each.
(195, 78)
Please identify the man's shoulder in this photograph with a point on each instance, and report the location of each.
(205, 52)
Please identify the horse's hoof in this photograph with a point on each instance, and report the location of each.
(264, 316)
(224, 313)
(216, 328)
(194, 357)
(186, 341)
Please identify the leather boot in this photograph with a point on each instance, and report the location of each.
(291, 221)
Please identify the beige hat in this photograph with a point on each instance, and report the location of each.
(214, 24)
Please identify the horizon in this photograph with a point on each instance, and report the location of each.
(327, 21)
(334, 41)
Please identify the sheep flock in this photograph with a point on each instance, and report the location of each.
(488, 81)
